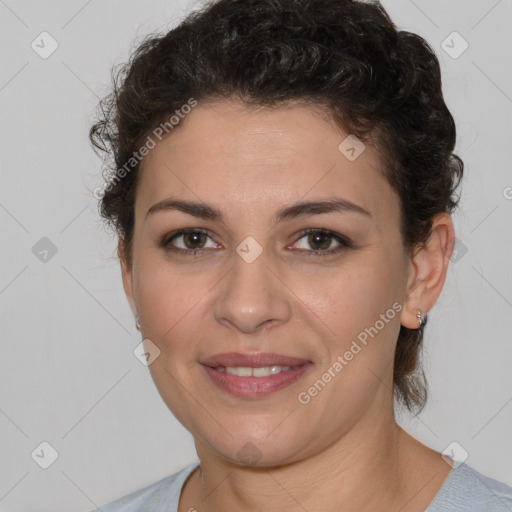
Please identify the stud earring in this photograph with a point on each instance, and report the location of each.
(137, 324)
(420, 319)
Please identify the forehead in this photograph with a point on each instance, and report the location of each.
(228, 154)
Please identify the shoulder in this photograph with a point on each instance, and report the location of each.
(465, 489)
(161, 496)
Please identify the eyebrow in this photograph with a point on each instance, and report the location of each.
(209, 212)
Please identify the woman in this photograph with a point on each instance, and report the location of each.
(283, 182)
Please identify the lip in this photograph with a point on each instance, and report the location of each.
(254, 387)
(252, 360)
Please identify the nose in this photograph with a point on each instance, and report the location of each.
(252, 297)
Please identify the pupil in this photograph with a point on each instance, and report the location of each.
(316, 238)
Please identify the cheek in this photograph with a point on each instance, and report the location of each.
(357, 312)
(169, 299)
(359, 309)
(172, 313)
(347, 298)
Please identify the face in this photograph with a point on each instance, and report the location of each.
(262, 275)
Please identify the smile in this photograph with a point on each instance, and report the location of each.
(247, 371)
(255, 382)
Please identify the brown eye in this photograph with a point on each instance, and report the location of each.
(320, 240)
(188, 240)
(194, 239)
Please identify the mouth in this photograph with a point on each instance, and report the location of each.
(254, 375)
(247, 371)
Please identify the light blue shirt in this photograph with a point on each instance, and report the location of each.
(464, 489)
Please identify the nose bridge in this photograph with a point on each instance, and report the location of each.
(252, 296)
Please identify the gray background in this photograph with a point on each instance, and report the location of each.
(68, 374)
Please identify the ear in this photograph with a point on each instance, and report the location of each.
(429, 266)
(127, 276)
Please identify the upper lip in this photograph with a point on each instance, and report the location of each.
(253, 360)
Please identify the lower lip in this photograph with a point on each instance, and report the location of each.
(256, 387)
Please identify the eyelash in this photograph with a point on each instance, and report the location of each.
(344, 243)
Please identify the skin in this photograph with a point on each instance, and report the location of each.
(249, 163)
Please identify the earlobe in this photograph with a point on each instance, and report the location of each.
(414, 304)
(429, 268)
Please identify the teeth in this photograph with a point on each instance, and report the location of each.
(241, 371)
(246, 371)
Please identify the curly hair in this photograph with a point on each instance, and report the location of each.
(345, 56)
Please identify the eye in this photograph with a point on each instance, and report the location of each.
(316, 242)
(322, 242)
(190, 240)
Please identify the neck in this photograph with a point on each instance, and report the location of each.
(365, 470)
